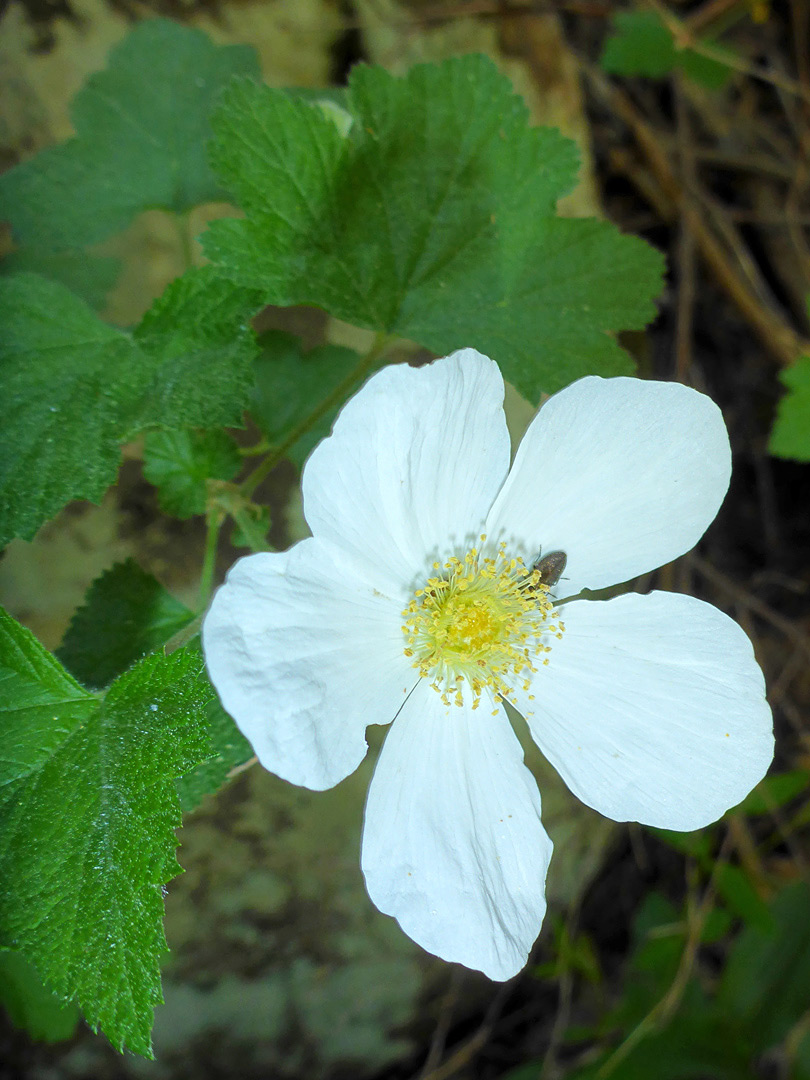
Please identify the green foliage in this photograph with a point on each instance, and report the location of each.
(199, 347)
(89, 276)
(229, 749)
(773, 792)
(71, 390)
(179, 463)
(731, 882)
(640, 44)
(432, 219)
(75, 388)
(766, 981)
(30, 1005)
(126, 614)
(290, 384)
(141, 130)
(257, 519)
(790, 437)
(88, 809)
(721, 1031)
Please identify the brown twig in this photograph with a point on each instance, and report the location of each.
(751, 602)
(781, 341)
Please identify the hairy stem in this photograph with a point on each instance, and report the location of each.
(341, 391)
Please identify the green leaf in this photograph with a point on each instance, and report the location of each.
(290, 384)
(639, 44)
(69, 388)
(790, 437)
(697, 844)
(75, 388)
(433, 219)
(229, 749)
(89, 276)
(705, 70)
(30, 1005)
(141, 132)
(126, 614)
(766, 981)
(179, 463)
(88, 809)
(773, 792)
(200, 347)
(256, 521)
(741, 897)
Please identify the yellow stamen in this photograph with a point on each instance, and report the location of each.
(481, 619)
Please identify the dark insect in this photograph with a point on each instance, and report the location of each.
(550, 568)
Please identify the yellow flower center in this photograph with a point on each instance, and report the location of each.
(481, 620)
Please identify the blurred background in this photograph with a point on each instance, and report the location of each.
(663, 955)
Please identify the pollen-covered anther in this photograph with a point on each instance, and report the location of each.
(482, 619)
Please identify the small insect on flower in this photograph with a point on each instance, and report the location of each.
(411, 605)
(549, 568)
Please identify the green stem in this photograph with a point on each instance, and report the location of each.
(337, 396)
(258, 448)
(257, 541)
(214, 521)
(183, 223)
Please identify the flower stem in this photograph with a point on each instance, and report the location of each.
(251, 530)
(183, 224)
(341, 391)
(213, 521)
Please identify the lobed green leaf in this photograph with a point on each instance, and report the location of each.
(179, 464)
(432, 218)
(141, 132)
(75, 388)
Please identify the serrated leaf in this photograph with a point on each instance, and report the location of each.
(30, 1005)
(179, 463)
(141, 131)
(200, 346)
(74, 388)
(126, 614)
(432, 219)
(229, 748)
(89, 276)
(290, 384)
(88, 809)
(70, 386)
(790, 437)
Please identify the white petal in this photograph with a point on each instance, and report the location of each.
(304, 655)
(413, 464)
(623, 475)
(453, 845)
(652, 708)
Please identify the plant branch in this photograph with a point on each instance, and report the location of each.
(336, 397)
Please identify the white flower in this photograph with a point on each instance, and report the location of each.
(414, 601)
